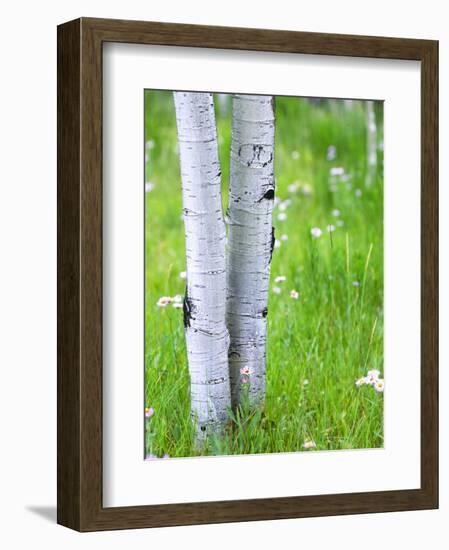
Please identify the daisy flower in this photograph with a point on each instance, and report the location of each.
(149, 411)
(280, 279)
(309, 444)
(163, 301)
(373, 375)
(294, 294)
(246, 370)
(379, 385)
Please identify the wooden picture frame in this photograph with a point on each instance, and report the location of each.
(80, 504)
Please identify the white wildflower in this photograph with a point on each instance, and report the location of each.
(331, 152)
(163, 301)
(379, 385)
(337, 171)
(316, 232)
(309, 444)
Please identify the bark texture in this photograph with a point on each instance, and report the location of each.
(371, 143)
(207, 337)
(250, 242)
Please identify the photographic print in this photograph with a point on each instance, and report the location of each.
(263, 274)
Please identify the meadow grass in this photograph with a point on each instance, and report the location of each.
(318, 344)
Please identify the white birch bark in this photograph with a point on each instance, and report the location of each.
(250, 242)
(207, 337)
(371, 143)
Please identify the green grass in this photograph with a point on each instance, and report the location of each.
(319, 344)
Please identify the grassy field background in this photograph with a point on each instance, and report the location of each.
(318, 344)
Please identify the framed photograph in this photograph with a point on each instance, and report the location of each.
(247, 274)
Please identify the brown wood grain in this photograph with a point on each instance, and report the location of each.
(80, 273)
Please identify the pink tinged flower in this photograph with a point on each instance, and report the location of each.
(294, 294)
(379, 385)
(372, 376)
(309, 444)
(246, 370)
(149, 411)
(316, 232)
(163, 301)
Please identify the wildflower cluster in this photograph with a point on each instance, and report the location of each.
(372, 379)
(175, 301)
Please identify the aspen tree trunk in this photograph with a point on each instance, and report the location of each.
(207, 338)
(250, 242)
(371, 143)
